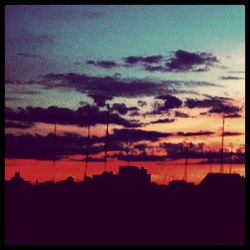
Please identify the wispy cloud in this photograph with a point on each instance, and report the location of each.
(231, 78)
(103, 64)
(27, 55)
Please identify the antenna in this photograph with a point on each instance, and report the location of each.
(54, 153)
(210, 161)
(106, 139)
(231, 158)
(222, 144)
(88, 142)
(54, 149)
(186, 162)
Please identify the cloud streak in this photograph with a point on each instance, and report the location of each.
(65, 116)
(102, 64)
(27, 55)
(114, 86)
(231, 78)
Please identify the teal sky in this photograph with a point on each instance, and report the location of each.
(61, 39)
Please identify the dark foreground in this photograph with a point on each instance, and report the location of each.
(126, 209)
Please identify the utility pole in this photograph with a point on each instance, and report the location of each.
(231, 159)
(54, 153)
(222, 144)
(186, 162)
(106, 139)
(88, 142)
(210, 162)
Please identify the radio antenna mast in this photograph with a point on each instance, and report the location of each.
(222, 144)
(88, 142)
(106, 139)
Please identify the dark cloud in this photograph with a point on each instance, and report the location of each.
(216, 105)
(42, 147)
(143, 59)
(180, 61)
(221, 98)
(205, 103)
(181, 114)
(108, 86)
(122, 109)
(232, 133)
(141, 103)
(199, 133)
(233, 115)
(29, 55)
(103, 64)
(139, 157)
(231, 78)
(134, 113)
(100, 100)
(163, 121)
(170, 102)
(223, 108)
(23, 125)
(195, 151)
(115, 86)
(183, 61)
(134, 135)
(81, 117)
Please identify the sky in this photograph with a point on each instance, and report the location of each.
(168, 73)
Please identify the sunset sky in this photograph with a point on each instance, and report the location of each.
(167, 72)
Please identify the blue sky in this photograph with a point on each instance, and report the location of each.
(62, 35)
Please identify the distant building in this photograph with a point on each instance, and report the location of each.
(223, 182)
(17, 180)
(181, 185)
(104, 178)
(131, 175)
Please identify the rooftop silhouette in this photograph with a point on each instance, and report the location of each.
(126, 209)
